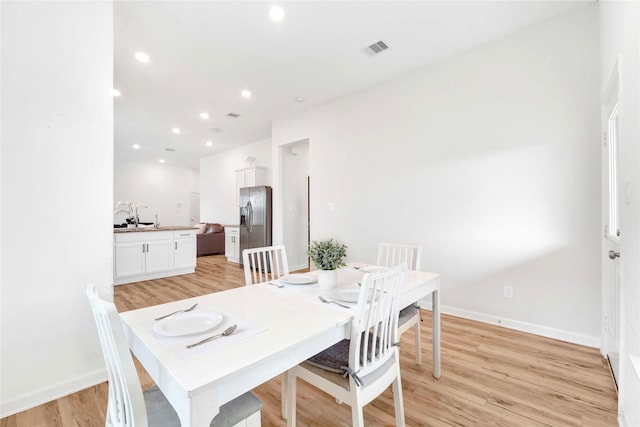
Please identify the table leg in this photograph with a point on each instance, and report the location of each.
(283, 395)
(435, 297)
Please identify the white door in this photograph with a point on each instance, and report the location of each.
(612, 234)
(194, 210)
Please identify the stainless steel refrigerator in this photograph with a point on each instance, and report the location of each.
(255, 218)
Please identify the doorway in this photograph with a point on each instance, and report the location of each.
(295, 203)
(194, 209)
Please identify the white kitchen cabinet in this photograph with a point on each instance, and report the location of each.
(129, 259)
(158, 256)
(184, 245)
(152, 254)
(232, 243)
(249, 177)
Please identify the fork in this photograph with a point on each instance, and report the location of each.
(333, 302)
(280, 285)
(225, 333)
(179, 311)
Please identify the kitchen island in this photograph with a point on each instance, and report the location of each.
(148, 253)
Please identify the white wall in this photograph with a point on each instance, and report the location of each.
(57, 187)
(490, 161)
(620, 34)
(218, 180)
(165, 189)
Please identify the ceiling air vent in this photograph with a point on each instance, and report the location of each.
(233, 115)
(169, 149)
(375, 48)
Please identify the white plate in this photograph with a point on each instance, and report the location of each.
(373, 269)
(345, 294)
(298, 279)
(187, 324)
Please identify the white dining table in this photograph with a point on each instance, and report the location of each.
(278, 328)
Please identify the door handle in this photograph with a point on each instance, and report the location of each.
(614, 254)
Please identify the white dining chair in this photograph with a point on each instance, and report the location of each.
(390, 254)
(128, 405)
(264, 264)
(357, 370)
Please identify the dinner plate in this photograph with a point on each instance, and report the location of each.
(345, 294)
(298, 279)
(373, 269)
(188, 323)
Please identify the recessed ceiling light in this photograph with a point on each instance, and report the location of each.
(276, 13)
(300, 98)
(246, 93)
(136, 146)
(175, 130)
(115, 92)
(142, 57)
(204, 116)
(161, 160)
(208, 143)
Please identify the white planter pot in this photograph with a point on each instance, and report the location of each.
(327, 279)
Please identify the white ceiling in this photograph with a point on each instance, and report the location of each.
(203, 53)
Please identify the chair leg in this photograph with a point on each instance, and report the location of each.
(398, 403)
(357, 414)
(418, 347)
(289, 381)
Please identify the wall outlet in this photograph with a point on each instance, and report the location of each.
(508, 292)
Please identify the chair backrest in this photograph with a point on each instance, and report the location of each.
(392, 254)
(126, 406)
(264, 264)
(374, 329)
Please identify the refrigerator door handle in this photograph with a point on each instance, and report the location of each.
(249, 215)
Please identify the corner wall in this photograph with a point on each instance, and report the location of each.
(490, 161)
(57, 189)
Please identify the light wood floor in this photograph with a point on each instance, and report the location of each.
(491, 376)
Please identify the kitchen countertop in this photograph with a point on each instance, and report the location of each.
(147, 229)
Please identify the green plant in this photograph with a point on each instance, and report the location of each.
(327, 254)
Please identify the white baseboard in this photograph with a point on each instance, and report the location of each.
(51, 392)
(518, 325)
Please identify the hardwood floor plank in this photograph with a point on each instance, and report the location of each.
(491, 376)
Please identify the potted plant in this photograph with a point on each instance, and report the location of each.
(328, 256)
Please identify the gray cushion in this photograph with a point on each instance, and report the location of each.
(336, 357)
(407, 313)
(333, 359)
(161, 414)
(343, 382)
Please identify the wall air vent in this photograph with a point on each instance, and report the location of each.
(233, 115)
(375, 48)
